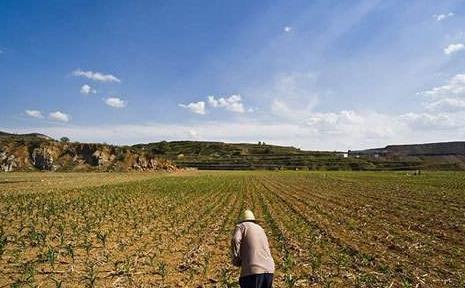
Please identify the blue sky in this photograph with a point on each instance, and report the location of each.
(313, 74)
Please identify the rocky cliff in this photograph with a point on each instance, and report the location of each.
(39, 152)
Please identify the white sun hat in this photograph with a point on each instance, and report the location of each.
(246, 215)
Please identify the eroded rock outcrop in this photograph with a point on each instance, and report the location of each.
(40, 153)
(42, 159)
(8, 162)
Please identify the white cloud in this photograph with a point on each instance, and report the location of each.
(431, 122)
(352, 125)
(332, 119)
(86, 90)
(287, 29)
(454, 87)
(446, 104)
(115, 102)
(440, 17)
(321, 131)
(232, 103)
(1, 51)
(96, 76)
(281, 109)
(293, 96)
(34, 114)
(453, 48)
(59, 116)
(449, 97)
(195, 107)
(193, 134)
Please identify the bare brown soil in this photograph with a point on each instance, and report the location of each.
(326, 229)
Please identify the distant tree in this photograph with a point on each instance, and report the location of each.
(64, 139)
(259, 142)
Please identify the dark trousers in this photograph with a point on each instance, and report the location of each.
(264, 280)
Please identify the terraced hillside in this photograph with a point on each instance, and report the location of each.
(327, 229)
(245, 156)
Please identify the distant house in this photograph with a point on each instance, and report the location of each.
(342, 154)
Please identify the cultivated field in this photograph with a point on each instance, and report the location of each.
(327, 229)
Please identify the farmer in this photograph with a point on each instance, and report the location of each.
(251, 252)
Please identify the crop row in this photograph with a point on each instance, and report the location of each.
(334, 229)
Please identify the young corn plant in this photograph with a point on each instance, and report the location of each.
(70, 251)
(162, 270)
(51, 256)
(87, 246)
(151, 258)
(90, 276)
(328, 283)
(289, 262)
(61, 232)
(102, 237)
(315, 262)
(28, 272)
(3, 241)
(290, 280)
(406, 283)
(58, 283)
(37, 238)
(226, 279)
(206, 262)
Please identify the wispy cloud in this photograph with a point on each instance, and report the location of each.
(429, 122)
(34, 114)
(440, 17)
(195, 107)
(59, 116)
(232, 103)
(453, 48)
(449, 97)
(333, 120)
(87, 89)
(96, 76)
(194, 134)
(281, 109)
(454, 87)
(446, 104)
(287, 29)
(293, 95)
(115, 102)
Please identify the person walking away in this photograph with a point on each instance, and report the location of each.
(250, 251)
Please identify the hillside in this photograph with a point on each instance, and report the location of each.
(23, 137)
(27, 152)
(39, 152)
(443, 155)
(240, 156)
